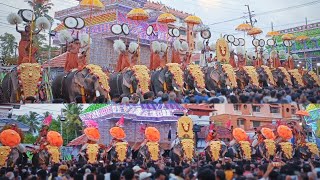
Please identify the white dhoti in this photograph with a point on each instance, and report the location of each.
(202, 62)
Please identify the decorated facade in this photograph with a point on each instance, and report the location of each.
(115, 13)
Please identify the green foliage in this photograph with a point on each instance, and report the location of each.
(41, 7)
(94, 107)
(8, 47)
(55, 125)
(29, 138)
(73, 125)
(32, 120)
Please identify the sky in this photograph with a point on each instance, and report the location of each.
(216, 13)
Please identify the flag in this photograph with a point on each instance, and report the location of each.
(120, 123)
(47, 121)
(169, 134)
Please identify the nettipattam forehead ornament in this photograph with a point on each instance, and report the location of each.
(185, 127)
(222, 48)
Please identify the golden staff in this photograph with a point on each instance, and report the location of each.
(31, 33)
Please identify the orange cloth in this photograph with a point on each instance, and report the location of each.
(82, 61)
(71, 61)
(134, 59)
(258, 62)
(232, 61)
(290, 63)
(176, 56)
(155, 61)
(163, 61)
(276, 62)
(241, 61)
(22, 51)
(26, 58)
(123, 61)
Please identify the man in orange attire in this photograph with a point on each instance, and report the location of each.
(155, 59)
(24, 42)
(176, 56)
(26, 59)
(72, 61)
(123, 60)
(134, 57)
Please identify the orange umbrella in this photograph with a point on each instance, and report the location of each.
(302, 38)
(10, 138)
(92, 133)
(254, 31)
(167, 18)
(54, 138)
(193, 20)
(244, 27)
(117, 132)
(287, 37)
(268, 133)
(273, 33)
(91, 3)
(152, 134)
(302, 113)
(239, 134)
(138, 14)
(284, 132)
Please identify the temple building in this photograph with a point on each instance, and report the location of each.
(115, 11)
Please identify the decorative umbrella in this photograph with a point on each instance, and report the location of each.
(152, 134)
(166, 18)
(302, 38)
(138, 14)
(10, 138)
(194, 20)
(302, 113)
(254, 31)
(268, 133)
(239, 134)
(273, 34)
(54, 138)
(287, 37)
(244, 27)
(117, 132)
(92, 133)
(284, 132)
(91, 4)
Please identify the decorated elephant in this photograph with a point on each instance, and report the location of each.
(215, 78)
(40, 157)
(23, 83)
(195, 78)
(240, 150)
(169, 78)
(215, 150)
(311, 79)
(150, 149)
(133, 80)
(296, 78)
(247, 76)
(119, 152)
(89, 84)
(282, 77)
(265, 76)
(266, 149)
(307, 151)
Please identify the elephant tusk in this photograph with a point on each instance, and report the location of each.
(206, 90)
(184, 89)
(97, 93)
(176, 89)
(197, 90)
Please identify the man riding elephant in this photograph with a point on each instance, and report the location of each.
(240, 146)
(149, 149)
(285, 147)
(89, 152)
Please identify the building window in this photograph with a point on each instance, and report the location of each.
(240, 122)
(256, 108)
(256, 124)
(236, 107)
(293, 111)
(274, 110)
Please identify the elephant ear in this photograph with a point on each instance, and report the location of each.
(126, 79)
(162, 75)
(80, 76)
(214, 76)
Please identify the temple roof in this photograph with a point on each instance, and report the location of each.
(159, 6)
(78, 141)
(56, 62)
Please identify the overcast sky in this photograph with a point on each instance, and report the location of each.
(211, 11)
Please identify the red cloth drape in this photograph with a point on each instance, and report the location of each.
(123, 61)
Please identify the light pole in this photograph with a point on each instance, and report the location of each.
(62, 119)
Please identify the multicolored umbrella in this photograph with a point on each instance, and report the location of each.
(244, 27)
(194, 20)
(138, 14)
(166, 18)
(254, 31)
(91, 4)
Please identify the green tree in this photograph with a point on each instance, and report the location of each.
(29, 138)
(41, 7)
(8, 46)
(73, 124)
(32, 120)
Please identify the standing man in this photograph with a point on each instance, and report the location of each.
(72, 61)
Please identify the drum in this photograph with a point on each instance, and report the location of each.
(116, 29)
(125, 29)
(206, 34)
(26, 15)
(70, 22)
(81, 23)
(150, 30)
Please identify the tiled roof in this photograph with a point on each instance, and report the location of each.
(5, 121)
(158, 6)
(56, 62)
(98, 19)
(78, 141)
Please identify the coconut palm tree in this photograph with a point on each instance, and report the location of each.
(32, 120)
(7, 45)
(41, 7)
(73, 122)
